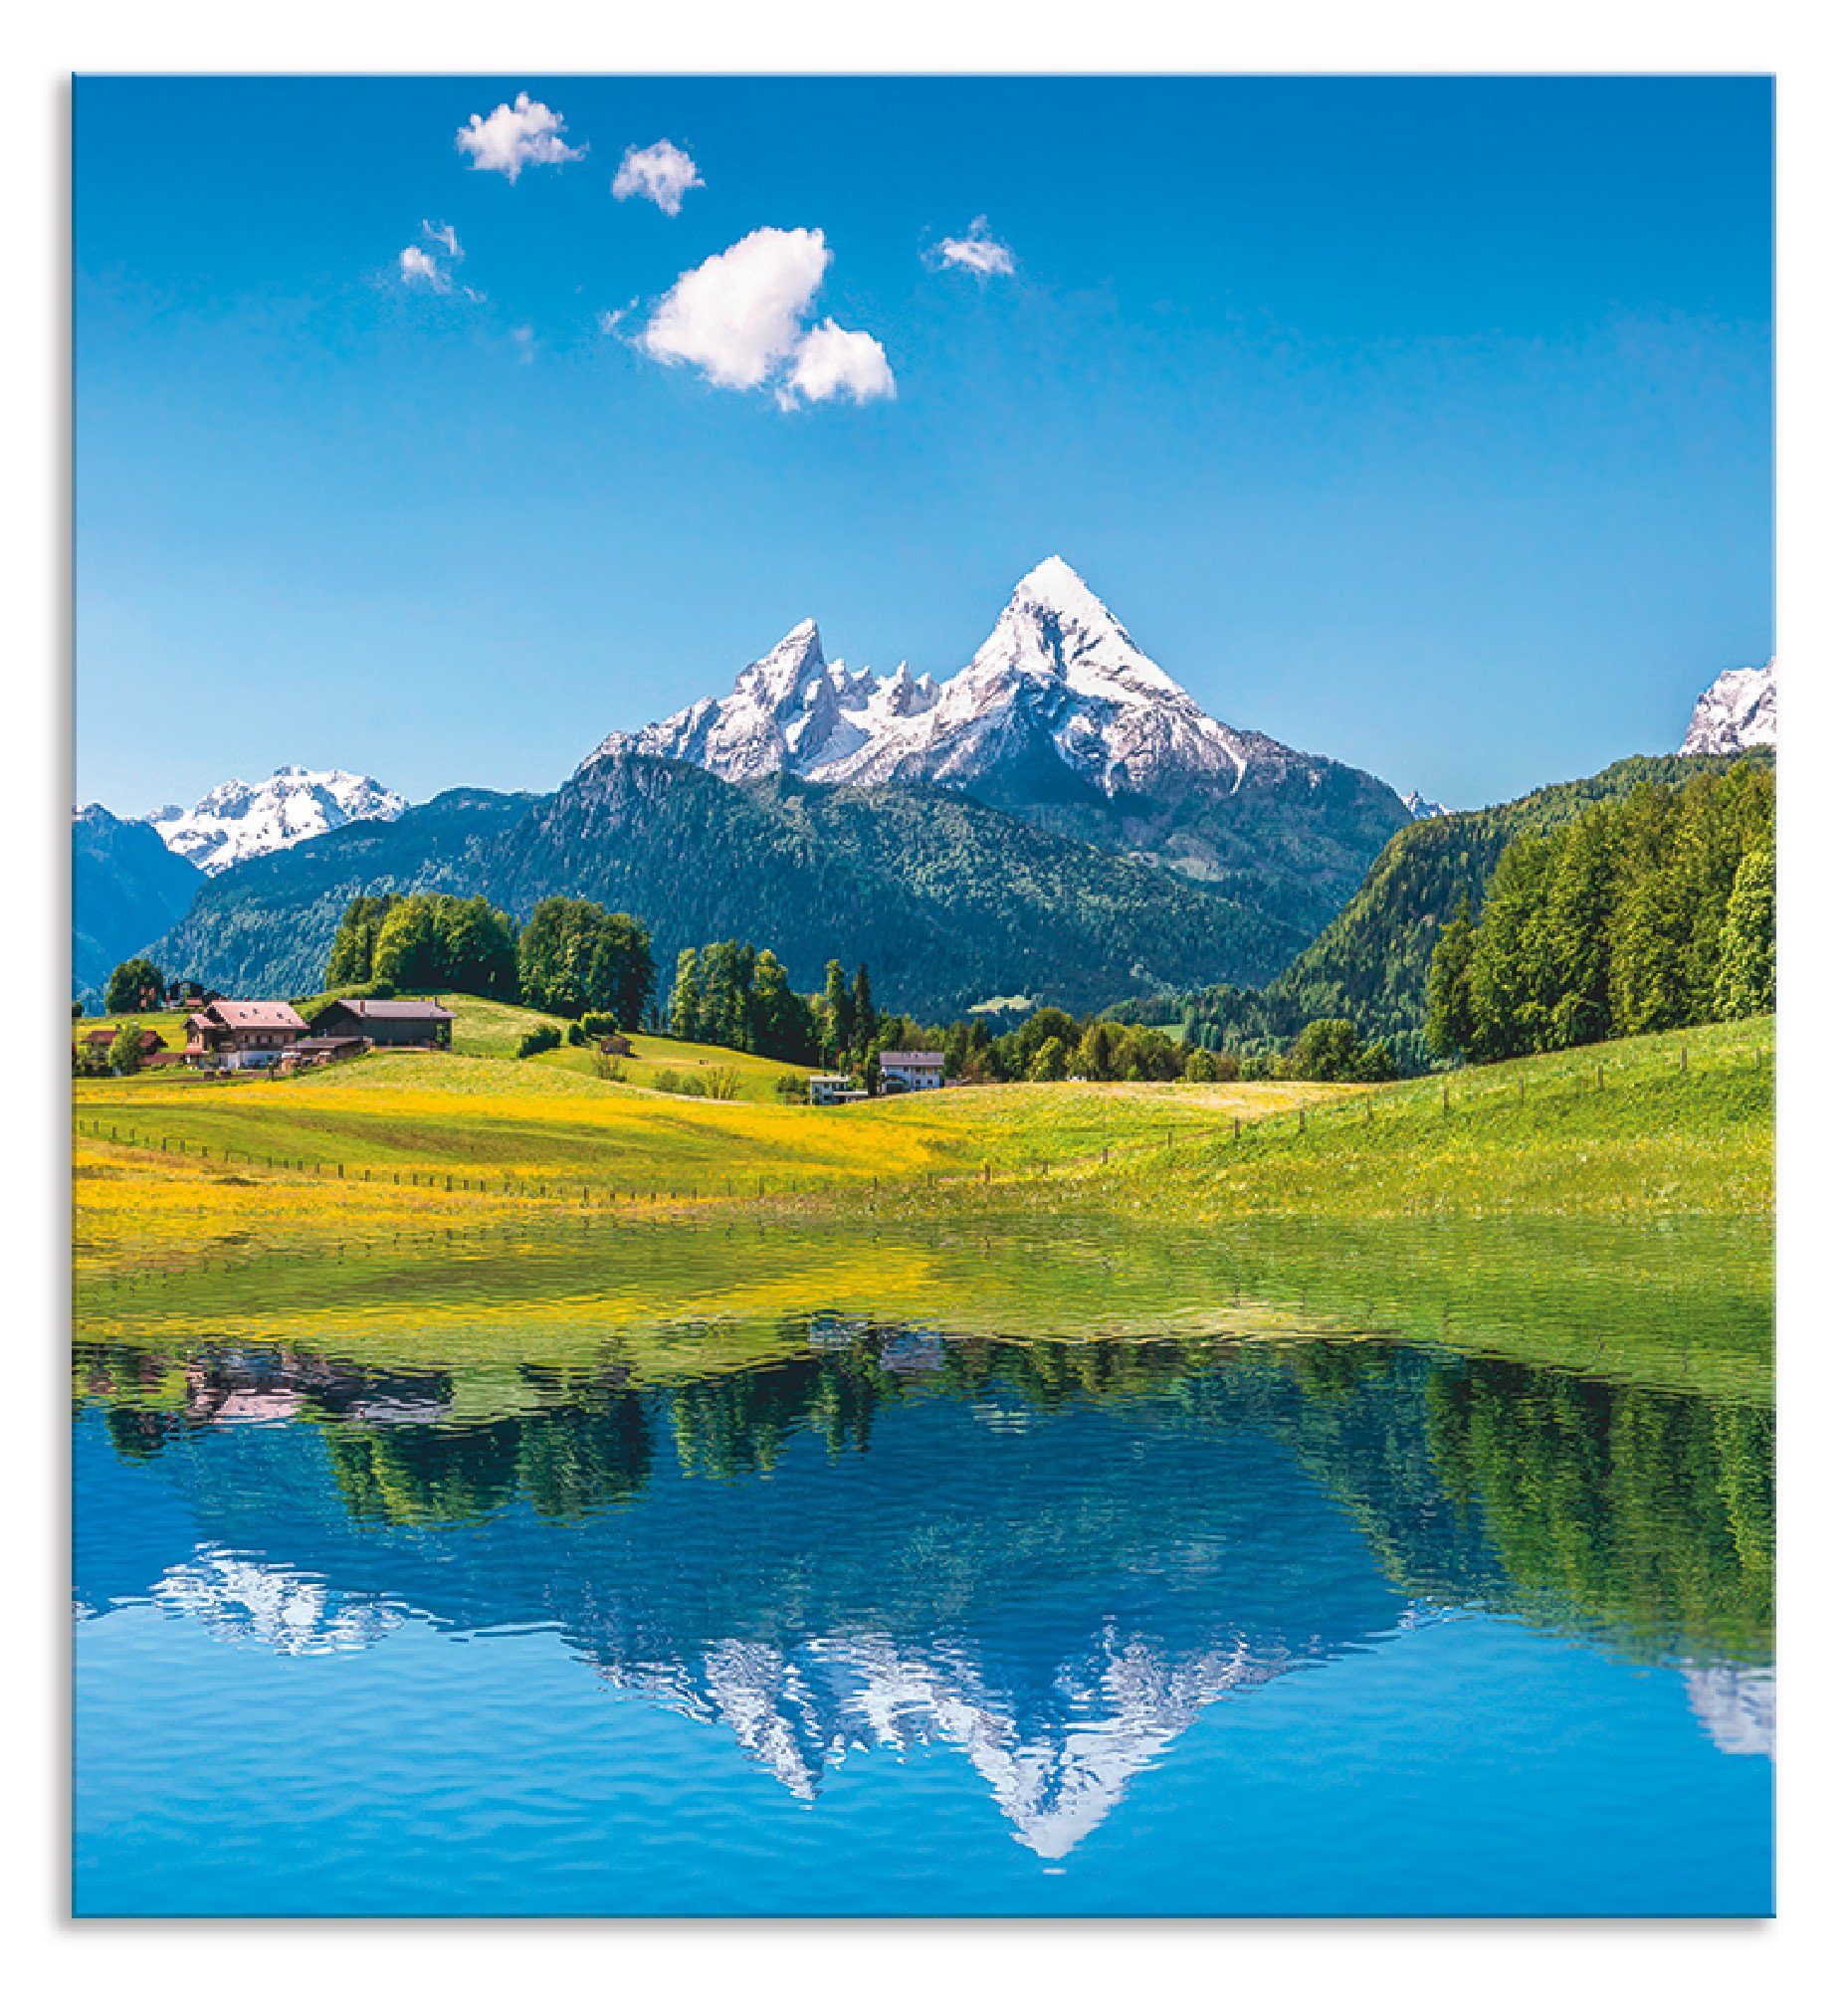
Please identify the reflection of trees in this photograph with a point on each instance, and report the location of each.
(582, 1457)
(424, 1474)
(1647, 1514)
(1650, 1513)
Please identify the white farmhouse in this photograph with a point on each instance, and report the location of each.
(910, 1071)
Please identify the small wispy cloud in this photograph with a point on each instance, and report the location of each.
(516, 136)
(660, 172)
(428, 265)
(526, 346)
(609, 322)
(417, 266)
(977, 251)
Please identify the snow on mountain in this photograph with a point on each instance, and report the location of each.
(1058, 681)
(237, 820)
(1420, 809)
(1739, 710)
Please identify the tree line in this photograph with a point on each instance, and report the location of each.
(571, 956)
(1649, 913)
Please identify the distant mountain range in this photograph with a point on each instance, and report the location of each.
(238, 821)
(1059, 819)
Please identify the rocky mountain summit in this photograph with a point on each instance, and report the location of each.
(1060, 719)
(1737, 710)
(1058, 688)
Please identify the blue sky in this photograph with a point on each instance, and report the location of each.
(1422, 423)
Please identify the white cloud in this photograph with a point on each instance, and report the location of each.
(525, 347)
(417, 266)
(739, 314)
(423, 266)
(609, 322)
(739, 317)
(977, 251)
(516, 136)
(660, 172)
(836, 365)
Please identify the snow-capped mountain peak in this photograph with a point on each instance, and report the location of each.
(238, 819)
(1421, 808)
(1737, 710)
(1058, 687)
(1054, 626)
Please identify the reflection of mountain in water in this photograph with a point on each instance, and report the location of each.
(1738, 1706)
(1051, 1560)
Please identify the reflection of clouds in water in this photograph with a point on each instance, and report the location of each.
(233, 1596)
(1738, 1706)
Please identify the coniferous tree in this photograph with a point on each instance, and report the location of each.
(1747, 981)
(836, 1016)
(684, 1002)
(573, 956)
(1647, 913)
(865, 1015)
(1450, 1023)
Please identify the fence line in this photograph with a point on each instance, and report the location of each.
(1473, 1087)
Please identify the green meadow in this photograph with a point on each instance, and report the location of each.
(1667, 1126)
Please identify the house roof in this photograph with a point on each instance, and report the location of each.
(396, 1010)
(911, 1060)
(256, 1016)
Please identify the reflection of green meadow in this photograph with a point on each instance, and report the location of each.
(1687, 1302)
(1639, 1512)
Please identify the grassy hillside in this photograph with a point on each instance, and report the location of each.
(419, 1141)
(492, 1030)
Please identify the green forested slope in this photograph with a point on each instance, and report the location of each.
(947, 900)
(1373, 961)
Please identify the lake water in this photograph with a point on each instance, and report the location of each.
(699, 1572)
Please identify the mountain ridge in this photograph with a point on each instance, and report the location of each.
(948, 901)
(238, 820)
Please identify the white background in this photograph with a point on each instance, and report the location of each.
(1803, 46)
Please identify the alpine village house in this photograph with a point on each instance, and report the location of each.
(242, 1036)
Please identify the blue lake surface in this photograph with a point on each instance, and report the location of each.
(895, 1617)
